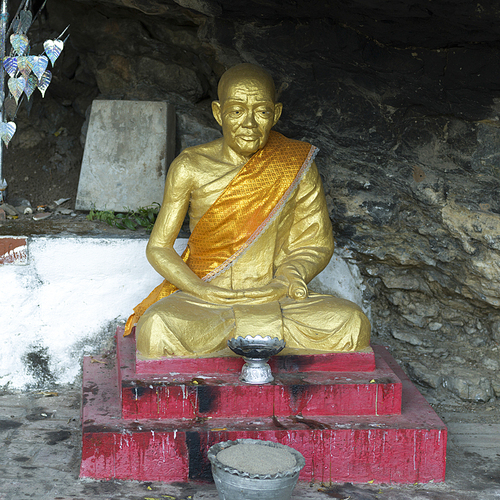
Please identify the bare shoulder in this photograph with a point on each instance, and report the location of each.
(197, 157)
(189, 166)
(180, 177)
(184, 165)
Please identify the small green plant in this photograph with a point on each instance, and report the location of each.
(132, 219)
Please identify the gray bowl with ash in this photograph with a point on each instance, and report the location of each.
(252, 469)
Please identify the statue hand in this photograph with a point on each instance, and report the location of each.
(274, 290)
(297, 287)
(216, 295)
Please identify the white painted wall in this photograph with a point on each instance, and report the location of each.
(68, 299)
(73, 292)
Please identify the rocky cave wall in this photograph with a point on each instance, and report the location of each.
(403, 100)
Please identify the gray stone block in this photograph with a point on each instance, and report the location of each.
(128, 149)
(468, 384)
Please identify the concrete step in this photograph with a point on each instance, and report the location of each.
(191, 388)
(209, 387)
(405, 448)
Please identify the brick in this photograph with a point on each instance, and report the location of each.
(13, 250)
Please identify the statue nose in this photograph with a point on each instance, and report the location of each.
(249, 120)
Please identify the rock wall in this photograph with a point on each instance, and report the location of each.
(403, 98)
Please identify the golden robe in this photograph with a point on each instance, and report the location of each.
(295, 230)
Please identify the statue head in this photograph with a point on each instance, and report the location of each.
(246, 109)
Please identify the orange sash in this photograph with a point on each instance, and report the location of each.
(246, 207)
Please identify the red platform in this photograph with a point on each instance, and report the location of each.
(361, 361)
(358, 426)
(210, 387)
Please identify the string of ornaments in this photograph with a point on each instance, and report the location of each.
(26, 72)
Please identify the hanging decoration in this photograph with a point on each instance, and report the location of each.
(30, 86)
(26, 72)
(20, 44)
(53, 49)
(23, 65)
(10, 65)
(44, 82)
(39, 65)
(7, 130)
(22, 22)
(16, 87)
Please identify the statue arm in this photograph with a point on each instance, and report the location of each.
(308, 245)
(305, 246)
(160, 249)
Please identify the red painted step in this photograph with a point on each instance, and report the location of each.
(405, 448)
(360, 361)
(221, 395)
(312, 394)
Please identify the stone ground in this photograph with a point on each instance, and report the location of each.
(40, 457)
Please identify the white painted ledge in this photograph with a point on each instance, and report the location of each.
(68, 298)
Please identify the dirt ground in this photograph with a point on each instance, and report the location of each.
(42, 163)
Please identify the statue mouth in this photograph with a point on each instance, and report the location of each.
(249, 137)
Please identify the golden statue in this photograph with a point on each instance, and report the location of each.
(260, 231)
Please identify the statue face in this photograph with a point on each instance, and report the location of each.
(247, 112)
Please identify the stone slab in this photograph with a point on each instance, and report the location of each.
(211, 388)
(406, 448)
(128, 149)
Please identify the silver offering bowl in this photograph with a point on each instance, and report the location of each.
(256, 352)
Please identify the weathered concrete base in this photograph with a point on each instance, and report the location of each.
(51, 287)
(401, 448)
(41, 448)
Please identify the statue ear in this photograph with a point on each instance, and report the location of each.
(278, 108)
(216, 111)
